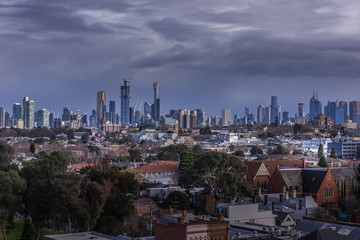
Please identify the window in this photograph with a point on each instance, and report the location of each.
(329, 192)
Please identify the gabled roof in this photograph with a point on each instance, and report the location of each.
(346, 175)
(292, 177)
(253, 169)
(312, 179)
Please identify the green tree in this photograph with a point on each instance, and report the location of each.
(28, 232)
(177, 200)
(221, 174)
(333, 153)
(85, 138)
(197, 149)
(187, 159)
(6, 152)
(297, 128)
(32, 148)
(280, 149)
(232, 147)
(239, 153)
(135, 155)
(205, 130)
(298, 151)
(322, 162)
(321, 151)
(255, 150)
(11, 188)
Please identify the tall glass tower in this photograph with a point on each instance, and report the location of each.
(29, 113)
(125, 103)
(156, 105)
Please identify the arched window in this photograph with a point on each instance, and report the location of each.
(329, 192)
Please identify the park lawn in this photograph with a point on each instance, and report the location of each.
(16, 232)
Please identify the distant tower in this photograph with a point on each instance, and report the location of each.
(156, 105)
(261, 114)
(274, 107)
(315, 106)
(28, 113)
(301, 112)
(101, 108)
(125, 103)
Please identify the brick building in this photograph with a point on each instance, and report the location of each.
(190, 227)
(318, 183)
(257, 175)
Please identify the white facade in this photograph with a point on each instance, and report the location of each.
(241, 213)
(313, 144)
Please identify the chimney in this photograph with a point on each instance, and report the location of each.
(286, 195)
(221, 217)
(294, 193)
(273, 206)
(171, 212)
(184, 214)
(259, 191)
(254, 199)
(281, 197)
(300, 204)
(266, 200)
(181, 220)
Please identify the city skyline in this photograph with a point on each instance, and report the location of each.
(52, 51)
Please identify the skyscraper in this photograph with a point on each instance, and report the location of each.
(226, 118)
(156, 105)
(344, 106)
(112, 112)
(17, 111)
(28, 113)
(301, 112)
(285, 117)
(147, 111)
(43, 118)
(101, 108)
(267, 117)
(354, 111)
(274, 109)
(315, 107)
(125, 103)
(2, 118)
(261, 114)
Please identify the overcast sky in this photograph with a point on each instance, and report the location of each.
(205, 54)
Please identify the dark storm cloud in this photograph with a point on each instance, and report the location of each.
(79, 47)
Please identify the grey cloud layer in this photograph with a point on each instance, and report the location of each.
(75, 42)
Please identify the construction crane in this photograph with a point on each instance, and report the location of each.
(78, 110)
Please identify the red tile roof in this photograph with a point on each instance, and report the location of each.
(169, 166)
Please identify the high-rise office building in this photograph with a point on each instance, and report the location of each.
(274, 109)
(343, 105)
(285, 117)
(315, 106)
(51, 119)
(330, 110)
(111, 116)
(131, 115)
(125, 103)
(156, 105)
(28, 113)
(101, 108)
(261, 114)
(201, 117)
(17, 111)
(267, 118)
(354, 111)
(66, 116)
(247, 111)
(226, 118)
(2, 118)
(43, 119)
(301, 112)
